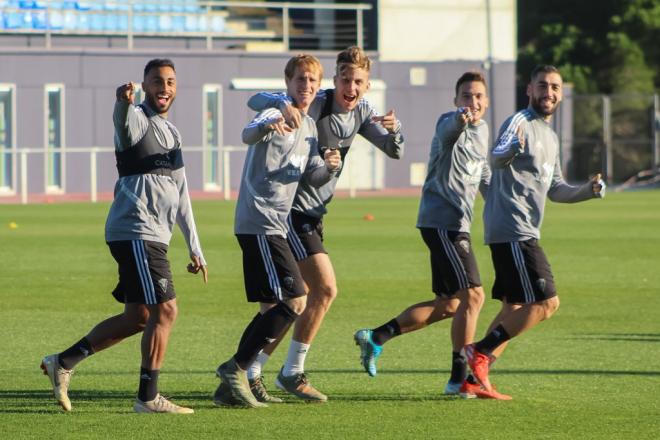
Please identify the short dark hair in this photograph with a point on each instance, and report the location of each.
(156, 63)
(543, 68)
(472, 75)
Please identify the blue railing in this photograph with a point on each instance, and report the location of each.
(187, 18)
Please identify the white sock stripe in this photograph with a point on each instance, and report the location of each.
(269, 264)
(519, 260)
(454, 259)
(145, 276)
(295, 242)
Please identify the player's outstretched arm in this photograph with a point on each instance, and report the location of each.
(282, 102)
(382, 131)
(263, 125)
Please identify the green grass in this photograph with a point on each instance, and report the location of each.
(593, 371)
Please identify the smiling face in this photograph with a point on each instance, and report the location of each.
(545, 93)
(351, 83)
(303, 85)
(160, 89)
(473, 95)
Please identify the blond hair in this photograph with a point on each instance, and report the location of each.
(304, 62)
(354, 58)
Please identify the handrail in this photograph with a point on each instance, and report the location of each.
(207, 20)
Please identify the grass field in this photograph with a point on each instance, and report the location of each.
(593, 371)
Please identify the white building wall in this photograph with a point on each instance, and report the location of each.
(442, 30)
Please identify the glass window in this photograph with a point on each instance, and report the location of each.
(54, 101)
(7, 137)
(212, 136)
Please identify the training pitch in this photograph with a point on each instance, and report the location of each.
(592, 371)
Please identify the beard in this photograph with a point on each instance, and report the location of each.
(538, 108)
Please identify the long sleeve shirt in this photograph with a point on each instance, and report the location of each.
(273, 169)
(457, 169)
(146, 206)
(313, 201)
(523, 175)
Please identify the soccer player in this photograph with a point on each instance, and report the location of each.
(340, 114)
(278, 158)
(526, 169)
(151, 194)
(457, 169)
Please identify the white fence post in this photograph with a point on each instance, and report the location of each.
(226, 190)
(92, 175)
(24, 178)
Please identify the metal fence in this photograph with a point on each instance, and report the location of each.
(618, 135)
(212, 21)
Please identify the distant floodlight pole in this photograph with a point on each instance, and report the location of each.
(489, 67)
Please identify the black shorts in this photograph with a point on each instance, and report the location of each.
(522, 272)
(144, 272)
(270, 272)
(305, 235)
(453, 265)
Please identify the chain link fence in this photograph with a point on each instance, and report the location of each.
(618, 135)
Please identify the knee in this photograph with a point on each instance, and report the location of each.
(326, 293)
(167, 312)
(141, 319)
(475, 297)
(447, 306)
(297, 305)
(551, 306)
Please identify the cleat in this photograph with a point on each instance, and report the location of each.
(224, 397)
(452, 389)
(160, 405)
(59, 379)
(369, 350)
(474, 390)
(479, 364)
(259, 391)
(236, 378)
(299, 386)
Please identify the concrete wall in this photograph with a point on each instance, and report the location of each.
(91, 75)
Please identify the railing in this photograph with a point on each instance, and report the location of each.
(210, 20)
(24, 171)
(225, 153)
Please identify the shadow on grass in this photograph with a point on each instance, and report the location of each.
(627, 337)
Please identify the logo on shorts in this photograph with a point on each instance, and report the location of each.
(163, 284)
(307, 228)
(540, 283)
(465, 245)
(288, 283)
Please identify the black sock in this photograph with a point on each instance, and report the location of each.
(249, 329)
(148, 384)
(386, 332)
(266, 329)
(492, 340)
(70, 357)
(458, 367)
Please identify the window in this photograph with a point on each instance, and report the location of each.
(54, 137)
(7, 138)
(212, 136)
